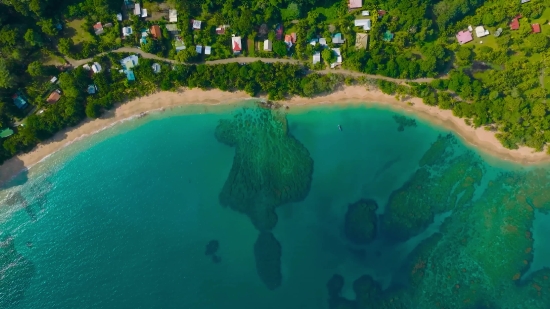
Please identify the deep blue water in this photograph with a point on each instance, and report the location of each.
(121, 219)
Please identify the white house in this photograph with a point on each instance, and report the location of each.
(365, 23)
(96, 67)
(323, 42)
(137, 9)
(208, 50)
(173, 16)
(126, 31)
(338, 57)
(197, 24)
(316, 57)
(481, 32)
(267, 45)
(365, 13)
(144, 13)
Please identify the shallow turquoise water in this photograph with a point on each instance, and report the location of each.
(121, 220)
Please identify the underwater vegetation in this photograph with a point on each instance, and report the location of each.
(270, 167)
(444, 181)
(404, 122)
(483, 249)
(267, 251)
(360, 223)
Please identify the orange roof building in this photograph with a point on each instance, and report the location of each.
(54, 97)
(155, 32)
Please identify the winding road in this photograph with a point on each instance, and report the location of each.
(77, 63)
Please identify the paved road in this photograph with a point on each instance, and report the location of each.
(76, 63)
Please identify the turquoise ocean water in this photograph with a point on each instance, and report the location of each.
(122, 219)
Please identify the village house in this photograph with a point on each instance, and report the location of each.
(196, 24)
(535, 28)
(127, 31)
(361, 40)
(173, 29)
(355, 4)
(365, 23)
(19, 100)
(96, 67)
(54, 96)
(156, 68)
(365, 13)
(481, 32)
(208, 50)
(198, 48)
(53, 80)
(338, 58)
(155, 31)
(98, 28)
(236, 44)
(464, 37)
(314, 42)
(119, 16)
(129, 62)
(316, 57)
(288, 40)
(267, 45)
(179, 44)
(173, 16)
(92, 89)
(338, 39)
(323, 42)
(221, 29)
(514, 25)
(137, 9)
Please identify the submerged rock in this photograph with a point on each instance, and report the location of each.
(216, 259)
(360, 223)
(404, 122)
(270, 167)
(335, 285)
(267, 251)
(212, 247)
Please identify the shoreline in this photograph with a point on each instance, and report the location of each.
(483, 140)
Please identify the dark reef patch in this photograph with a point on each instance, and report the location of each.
(267, 251)
(360, 222)
(270, 167)
(404, 122)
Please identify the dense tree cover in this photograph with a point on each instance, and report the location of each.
(277, 80)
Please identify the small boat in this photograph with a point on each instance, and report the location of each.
(340, 127)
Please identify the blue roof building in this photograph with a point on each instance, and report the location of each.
(19, 101)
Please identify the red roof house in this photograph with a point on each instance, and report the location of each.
(236, 42)
(54, 97)
(514, 25)
(155, 32)
(535, 28)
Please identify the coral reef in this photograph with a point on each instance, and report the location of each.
(360, 222)
(267, 251)
(404, 122)
(444, 181)
(270, 167)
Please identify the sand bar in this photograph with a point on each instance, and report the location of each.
(480, 138)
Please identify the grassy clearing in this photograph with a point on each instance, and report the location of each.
(328, 13)
(74, 30)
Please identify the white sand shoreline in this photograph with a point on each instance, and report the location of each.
(480, 138)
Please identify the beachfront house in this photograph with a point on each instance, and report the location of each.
(267, 45)
(54, 96)
(355, 4)
(316, 57)
(236, 44)
(98, 28)
(481, 32)
(365, 23)
(464, 37)
(173, 16)
(339, 59)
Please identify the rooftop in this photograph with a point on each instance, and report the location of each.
(354, 4)
(155, 31)
(54, 96)
(535, 28)
(464, 37)
(208, 50)
(173, 16)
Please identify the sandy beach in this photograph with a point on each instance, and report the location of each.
(480, 138)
